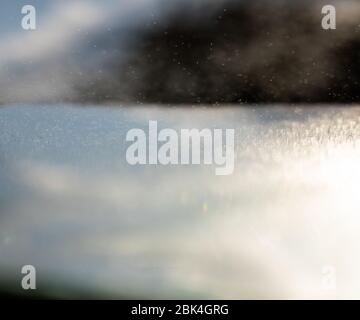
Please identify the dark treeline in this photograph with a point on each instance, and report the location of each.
(247, 52)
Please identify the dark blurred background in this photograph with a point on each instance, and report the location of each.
(172, 52)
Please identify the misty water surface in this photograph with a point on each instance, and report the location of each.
(71, 206)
